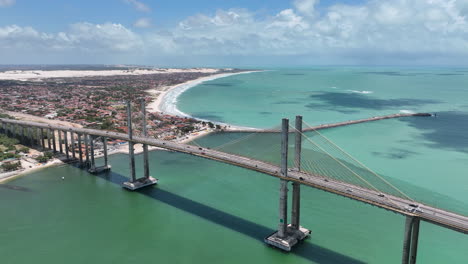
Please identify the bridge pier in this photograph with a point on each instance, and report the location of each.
(410, 240)
(98, 169)
(67, 151)
(41, 131)
(287, 236)
(80, 150)
(60, 141)
(49, 141)
(54, 143)
(134, 183)
(72, 142)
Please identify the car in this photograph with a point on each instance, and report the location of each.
(413, 208)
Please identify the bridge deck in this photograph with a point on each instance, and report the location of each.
(430, 214)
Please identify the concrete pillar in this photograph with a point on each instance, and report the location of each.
(86, 140)
(28, 136)
(42, 139)
(72, 140)
(67, 152)
(407, 240)
(104, 143)
(22, 136)
(296, 196)
(131, 150)
(80, 151)
(49, 143)
(283, 205)
(60, 140)
(414, 241)
(145, 134)
(13, 130)
(54, 142)
(91, 144)
(38, 137)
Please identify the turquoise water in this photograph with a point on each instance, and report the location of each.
(325, 95)
(207, 212)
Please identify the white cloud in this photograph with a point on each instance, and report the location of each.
(81, 36)
(143, 23)
(306, 7)
(5, 3)
(138, 5)
(386, 30)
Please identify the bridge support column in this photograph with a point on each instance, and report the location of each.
(91, 147)
(287, 236)
(98, 169)
(65, 137)
(22, 136)
(145, 134)
(72, 142)
(104, 145)
(42, 139)
(86, 140)
(296, 196)
(134, 183)
(49, 139)
(60, 141)
(80, 150)
(410, 240)
(54, 142)
(414, 241)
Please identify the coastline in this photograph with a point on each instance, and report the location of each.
(166, 100)
(8, 176)
(165, 103)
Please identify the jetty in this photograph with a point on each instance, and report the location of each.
(331, 125)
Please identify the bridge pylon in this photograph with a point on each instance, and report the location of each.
(288, 235)
(134, 183)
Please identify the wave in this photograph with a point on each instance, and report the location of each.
(169, 101)
(403, 111)
(360, 92)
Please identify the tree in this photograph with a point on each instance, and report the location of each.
(24, 149)
(11, 166)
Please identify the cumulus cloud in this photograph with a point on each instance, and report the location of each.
(80, 36)
(5, 3)
(306, 7)
(143, 23)
(386, 30)
(138, 5)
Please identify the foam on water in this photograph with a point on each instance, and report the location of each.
(360, 92)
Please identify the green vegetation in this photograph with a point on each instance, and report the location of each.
(24, 149)
(8, 142)
(6, 115)
(11, 166)
(45, 157)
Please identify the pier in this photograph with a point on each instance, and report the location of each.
(325, 126)
(289, 233)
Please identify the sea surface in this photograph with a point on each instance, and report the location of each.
(206, 212)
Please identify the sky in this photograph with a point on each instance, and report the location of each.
(235, 33)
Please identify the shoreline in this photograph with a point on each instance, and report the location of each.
(8, 176)
(166, 100)
(159, 104)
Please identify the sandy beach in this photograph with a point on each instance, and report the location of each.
(38, 75)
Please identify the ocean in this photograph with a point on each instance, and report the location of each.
(204, 212)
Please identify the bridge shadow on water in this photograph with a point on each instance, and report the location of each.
(258, 232)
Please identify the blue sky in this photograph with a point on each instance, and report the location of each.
(235, 32)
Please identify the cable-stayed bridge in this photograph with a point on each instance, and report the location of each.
(326, 168)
